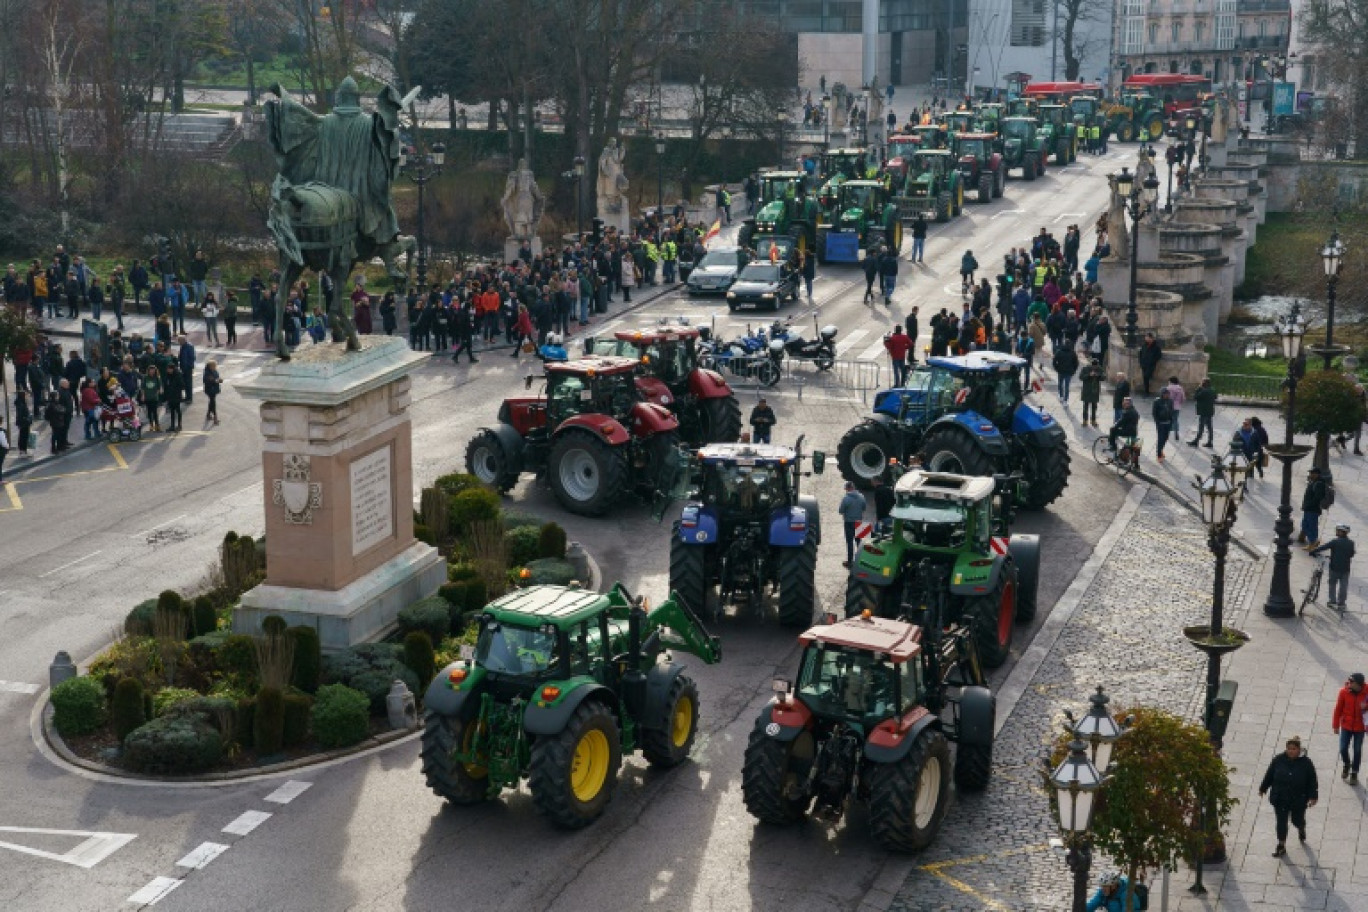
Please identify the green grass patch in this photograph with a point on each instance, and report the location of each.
(1228, 362)
(1286, 259)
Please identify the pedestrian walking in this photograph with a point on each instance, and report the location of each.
(522, 330)
(888, 274)
(1341, 549)
(1312, 505)
(1065, 364)
(898, 344)
(871, 272)
(89, 398)
(463, 329)
(1120, 393)
(1348, 722)
(1151, 353)
(918, 237)
(174, 392)
(151, 395)
(23, 420)
(1162, 412)
(213, 385)
(762, 421)
(968, 265)
(229, 315)
(210, 311)
(852, 510)
(1290, 783)
(1025, 349)
(4, 451)
(807, 264)
(1204, 401)
(186, 358)
(1091, 378)
(1178, 396)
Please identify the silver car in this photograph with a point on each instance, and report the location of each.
(716, 272)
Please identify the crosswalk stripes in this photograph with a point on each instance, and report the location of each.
(844, 344)
(873, 353)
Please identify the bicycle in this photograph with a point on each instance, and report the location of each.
(1125, 459)
(1312, 591)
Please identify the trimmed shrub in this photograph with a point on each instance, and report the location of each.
(424, 534)
(419, 657)
(243, 562)
(463, 596)
(78, 706)
(298, 707)
(455, 483)
(516, 519)
(174, 744)
(237, 658)
(370, 668)
(138, 622)
(473, 505)
(169, 697)
(308, 658)
(219, 713)
(273, 625)
(462, 570)
(170, 600)
(134, 657)
(268, 725)
(551, 541)
(203, 616)
(126, 709)
(341, 716)
(523, 543)
(244, 721)
(431, 615)
(433, 506)
(548, 571)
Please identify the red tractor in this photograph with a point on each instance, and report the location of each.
(669, 375)
(980, 167)
(590, 437)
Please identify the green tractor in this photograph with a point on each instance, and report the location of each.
(960, 120)
(786, 208)
(988, 117)
(950, 537)
(865, 219)
(1022, 147)
(1058, 133)
(836, 167)
(561, 683)
(933, 186)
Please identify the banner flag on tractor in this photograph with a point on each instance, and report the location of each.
(713, 232)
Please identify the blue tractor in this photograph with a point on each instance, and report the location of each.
(963, 415)
(746, 528)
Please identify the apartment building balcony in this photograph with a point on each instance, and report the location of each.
(1263, 6)
(1266, 43)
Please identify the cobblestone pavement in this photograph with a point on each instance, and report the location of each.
(1125, 635)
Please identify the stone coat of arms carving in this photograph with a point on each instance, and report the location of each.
(299, 496)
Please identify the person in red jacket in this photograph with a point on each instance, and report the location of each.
(898, 344)
(1348, 723)
(90, 408)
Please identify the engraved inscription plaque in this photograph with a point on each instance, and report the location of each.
(372, 505)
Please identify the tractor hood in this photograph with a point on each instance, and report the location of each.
(771, 213)
(653, 389)
(920, 186)
(852, 217)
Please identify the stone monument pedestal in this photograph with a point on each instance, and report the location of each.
(512, 245)
(338, 482)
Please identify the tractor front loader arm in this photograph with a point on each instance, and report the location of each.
(674, 624)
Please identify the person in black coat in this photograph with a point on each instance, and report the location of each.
(463, 327)
(1291, 780)
(871, 272)
(1151, 353)
(23, 420)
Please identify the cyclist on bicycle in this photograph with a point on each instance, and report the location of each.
(1128, 426)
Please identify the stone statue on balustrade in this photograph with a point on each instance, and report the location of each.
(522, 202)
(1118, 232)
(1221, 118)
(613, 208)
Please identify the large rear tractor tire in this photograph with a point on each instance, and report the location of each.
(720, 419)
(573, 773)
(985, 188)
(1047, 475)
(959, 200)
(944, 207)
(895, 236)
(689, 574)
(487, 461)
(1155, 126)
(1000, 182)
(992, 619)
(587, 474)
(459, 783)
(1025, 551)
(908, 799)
(947, 449)
(1125, 131)
(973, 766)
(797, 584)
(1028, 167)
(770, 781)
(863, 453)
(666, 742)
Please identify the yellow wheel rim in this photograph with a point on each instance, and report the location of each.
(682, 724)
(468, 736)
(589, 768)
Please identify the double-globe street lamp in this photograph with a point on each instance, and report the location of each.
(1076, 783)
(1291, 329)
(782, 118)
(422, 167)
(1139, 201)
(1332, 258)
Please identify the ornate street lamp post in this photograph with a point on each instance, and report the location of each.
(1332, 258)
(1076, 782)
(1279, 603)
(579, 197)
(782, 118)
(423, 167)
(1139, 201)
(660, 177)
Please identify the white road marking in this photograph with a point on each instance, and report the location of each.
(72, 564)
(95, 848)
(288, 792)
(158, 526)
(18, 687)
(248, 374)
(249, 821)
(874, 352)
(1064, 215)
(155, 891)
(204, 853)
(998, 215)
(855, 336)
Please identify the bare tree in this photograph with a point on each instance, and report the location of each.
(1075, 39)
(1337, 30)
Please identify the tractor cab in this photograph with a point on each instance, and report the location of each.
(960, 120)
(943, 511)
(1055, 114)
(990, 115)
(786, 208)
(900, 149)
(931, 136)
(1023, 107)
(602, 386)
(745, 480)
(668, 352)
(859, 202)
(975, 146)
(836, 167)
(862, 671)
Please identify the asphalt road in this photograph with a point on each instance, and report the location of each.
(367, 834)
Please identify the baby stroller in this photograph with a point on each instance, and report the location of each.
(121, 420)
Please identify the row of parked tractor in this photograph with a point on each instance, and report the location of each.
(562, 683)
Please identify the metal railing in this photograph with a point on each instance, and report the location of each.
(862, 378)
(1260, 387)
